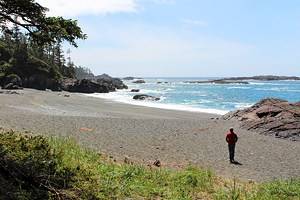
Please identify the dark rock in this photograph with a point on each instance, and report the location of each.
(42, 82)
(135, 90)
(139, 81)
(110, 82)
(84, 86)
(157, 163)
(11, 86)
(130, 78)
(219, 82)
(14, 79)
(271, 117)
(145, 97)
(12, 82)
(264, 78)
(159, 82)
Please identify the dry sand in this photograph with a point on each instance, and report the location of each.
(144, 134)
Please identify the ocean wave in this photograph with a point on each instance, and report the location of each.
(276, 89)
(242, 105)
(239, 87)
(128, 100)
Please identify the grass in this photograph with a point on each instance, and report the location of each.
(34, 167)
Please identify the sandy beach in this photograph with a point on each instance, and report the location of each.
(144, 134)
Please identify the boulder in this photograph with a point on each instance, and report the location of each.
(84, 86)
(139, 81)
(110, 82)
(272, 117)
(135, 90)
(145, 97)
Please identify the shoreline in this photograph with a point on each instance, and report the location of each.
(151, 104)
(146, 134)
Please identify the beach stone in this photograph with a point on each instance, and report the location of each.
(127, 161)
(271, 116)
(157, 163)
(139, 81)
(145, 97)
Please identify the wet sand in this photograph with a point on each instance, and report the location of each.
(143, 134)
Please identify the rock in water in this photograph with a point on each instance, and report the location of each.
(271, 117)
(135, 90)
(139, 81)
(145, 97)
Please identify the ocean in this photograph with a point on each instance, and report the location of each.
(176, 94)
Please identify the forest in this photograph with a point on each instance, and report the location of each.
(31, 47)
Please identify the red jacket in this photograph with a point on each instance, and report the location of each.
(231, 138)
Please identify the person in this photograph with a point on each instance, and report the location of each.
(231, 139)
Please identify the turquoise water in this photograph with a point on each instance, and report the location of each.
(213, 98)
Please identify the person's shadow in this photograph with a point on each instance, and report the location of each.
(236, 163)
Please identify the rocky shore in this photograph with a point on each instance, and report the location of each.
(98, 84)
(275, 117)
(244, 80)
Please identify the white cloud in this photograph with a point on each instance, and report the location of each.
(73, 8)
(152, 51)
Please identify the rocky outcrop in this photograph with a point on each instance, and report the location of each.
(42, 82)
(264, 78)
(110, 82)
(145, 97)
(243, 80)
(139, 81)
(219, 82)
(84, 86)
(271, 117)
(130, 78)
(135, 90)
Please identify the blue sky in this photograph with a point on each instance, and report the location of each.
(186, 37)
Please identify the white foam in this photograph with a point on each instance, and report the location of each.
(122, 97)
(239, 87)
(243, 105)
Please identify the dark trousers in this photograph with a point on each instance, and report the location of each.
(231, 148)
